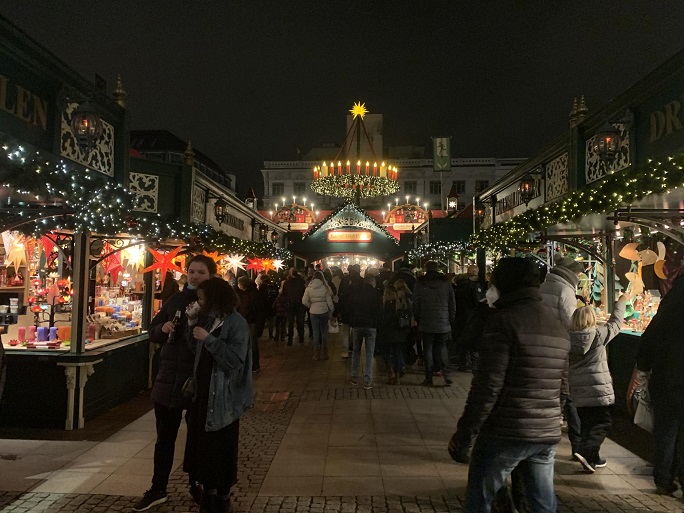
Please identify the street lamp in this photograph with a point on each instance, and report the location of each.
(220, 211)
(607, 142)
(527, 189)
(86, 124)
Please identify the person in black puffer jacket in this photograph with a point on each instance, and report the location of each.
(513, 409)
(175, 362)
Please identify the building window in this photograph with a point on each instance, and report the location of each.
(299, 188)
(481, 185)
(435, 187)
(277, 189)
(410, 187)
(459, 185)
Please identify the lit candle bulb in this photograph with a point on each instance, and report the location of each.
(383, 171)
(358, 167)
(367, 167)
(339, 167)
(324, 170)
(348, 167)
(375, 169)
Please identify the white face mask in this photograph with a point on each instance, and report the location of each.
(492, 296)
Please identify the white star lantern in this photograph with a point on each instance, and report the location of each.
(235, 262)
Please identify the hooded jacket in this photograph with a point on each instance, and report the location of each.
(558, 293)
(434, 305)
(590, 381)
(516, 391)
(317, 298)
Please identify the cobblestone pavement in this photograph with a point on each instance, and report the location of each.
(261, 433)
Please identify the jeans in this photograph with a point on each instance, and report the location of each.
(668, 441)
(433, 343)
(168, 421)
(319, 325)
(358, 336)
(295, 312)
(596, 423)
(493, 460)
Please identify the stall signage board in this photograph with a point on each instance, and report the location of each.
(295, 226)
(660, 125)
(400, 227)
(349, 236)
(27, 103)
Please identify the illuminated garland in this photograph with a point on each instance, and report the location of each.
(438, 250)
(91, 204)
(345, 185)
(613, 192)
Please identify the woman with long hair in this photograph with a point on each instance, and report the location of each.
(318, 299)
(219, 337)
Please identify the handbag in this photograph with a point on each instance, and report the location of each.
(643, 417)
(333, 326)
(188, 389)
(404, 318)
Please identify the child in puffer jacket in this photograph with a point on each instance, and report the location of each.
(591, 385)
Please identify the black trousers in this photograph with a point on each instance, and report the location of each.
(596, 422)
(168, 422)
(295, 312)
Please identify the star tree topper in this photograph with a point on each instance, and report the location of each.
(164, 262)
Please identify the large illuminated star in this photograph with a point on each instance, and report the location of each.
(255, 264)
(278, 265)
(16, 254)
(218, 259)
(235, 262)
(164, 262)
(135, 256)
(267, 265)
(359, 109)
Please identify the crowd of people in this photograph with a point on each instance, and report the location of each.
(538, 356)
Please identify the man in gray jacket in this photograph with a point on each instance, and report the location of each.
(513, 409)
(434, 308)
(558, 293)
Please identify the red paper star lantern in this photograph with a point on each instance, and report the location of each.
(255, 263)
(164, 262)
(268, 265)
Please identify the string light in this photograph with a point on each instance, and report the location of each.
(87, 202)
(614, 191)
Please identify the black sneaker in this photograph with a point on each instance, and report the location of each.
(196, 493)
(354, 381)
(587, 466)
(600, 463)
(668, 490)
(150, 498)
(368, 386)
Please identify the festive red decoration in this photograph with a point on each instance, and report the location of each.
(164, 262)
(255, 263)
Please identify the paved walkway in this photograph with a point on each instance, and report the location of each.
(313, 444)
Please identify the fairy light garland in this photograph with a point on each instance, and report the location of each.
(101, 207)
(616, 190)
(438, 250)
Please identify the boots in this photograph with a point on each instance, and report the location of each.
(317, 353)
(324, 352)
(212, 503)
(392, 380)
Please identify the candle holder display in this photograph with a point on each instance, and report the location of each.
(365, 178)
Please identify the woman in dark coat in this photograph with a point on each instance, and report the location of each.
(223, 391)
(394, 330)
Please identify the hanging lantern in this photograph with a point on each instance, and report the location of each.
(86, 124)
(220, 211)
(274, 236)
(607, 143)
(527, 189)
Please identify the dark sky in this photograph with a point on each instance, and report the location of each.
(249, 81)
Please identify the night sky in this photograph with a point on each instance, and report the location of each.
(249, 81)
